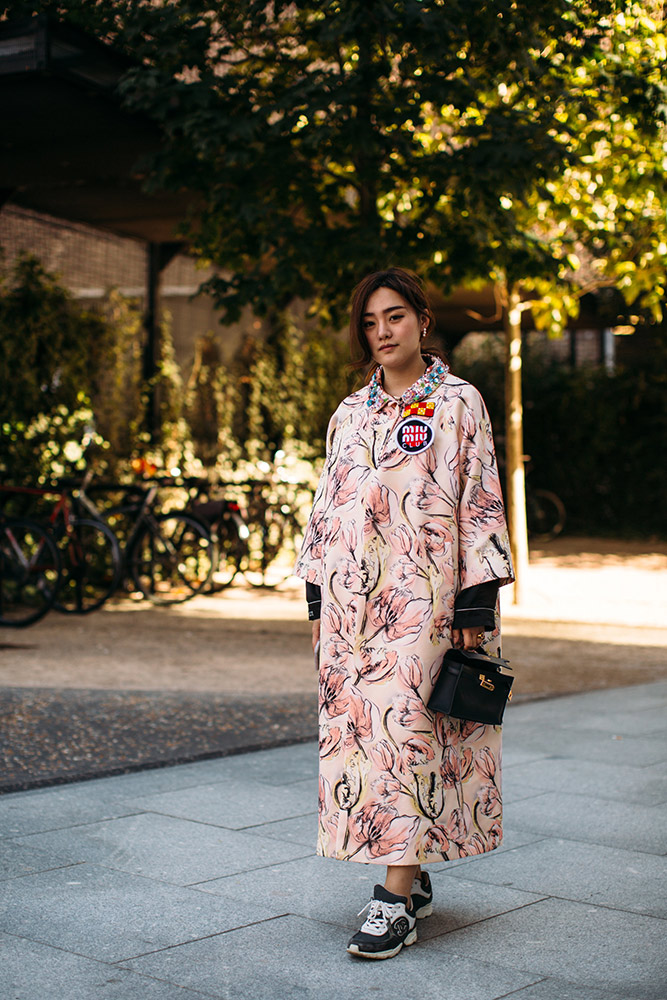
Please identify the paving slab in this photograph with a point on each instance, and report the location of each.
(640, 785)
(19, 859)
(301, 830)
(513, 837)
(202, 879)
(33, 971)
(596, 821)
(316, 888)
(297, 959)
(514, 755)
(57, 809)
(607, 949)
(166, 848)
(111, 916)
(638, 699)
(280, 766)
(233, 803)
(586, 873)
(583, 743)
(559, 989)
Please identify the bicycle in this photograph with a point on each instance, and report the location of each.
(89, 552)
(30, 571)
(275, 530)
(169, 557)
(545, 511)
(545, 514)
(225, 519)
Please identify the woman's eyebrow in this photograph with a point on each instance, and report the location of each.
(390, 309)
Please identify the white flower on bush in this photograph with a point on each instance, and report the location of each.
(72, 451)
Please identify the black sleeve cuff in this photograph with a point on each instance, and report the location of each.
(476, 606)
(314, 599)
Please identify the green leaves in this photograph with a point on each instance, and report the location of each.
(462, 139)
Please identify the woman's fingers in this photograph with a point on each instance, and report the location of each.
(316, 632)
(472, 637)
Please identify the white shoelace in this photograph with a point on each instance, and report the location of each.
(379, 916)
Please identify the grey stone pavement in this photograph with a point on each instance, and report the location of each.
(201, 880)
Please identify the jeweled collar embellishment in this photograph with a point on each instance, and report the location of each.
(423, 387)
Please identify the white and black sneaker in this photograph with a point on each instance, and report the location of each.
(421, 895)
(390, 924)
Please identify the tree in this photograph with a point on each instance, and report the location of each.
(324, 139)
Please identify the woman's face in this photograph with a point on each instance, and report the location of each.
(393, 329)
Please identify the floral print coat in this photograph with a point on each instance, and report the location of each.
(403, 519)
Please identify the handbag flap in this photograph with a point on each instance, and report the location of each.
(473, 658)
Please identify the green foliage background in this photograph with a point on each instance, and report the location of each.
(595, 438)
(72, 377)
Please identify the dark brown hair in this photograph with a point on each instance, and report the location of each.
(407, 284)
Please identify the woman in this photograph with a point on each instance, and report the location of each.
(404, 554)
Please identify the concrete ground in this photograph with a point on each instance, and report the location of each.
(201, 880)
(132, 686)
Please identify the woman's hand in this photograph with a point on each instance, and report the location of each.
(469, 638)
(316, 632)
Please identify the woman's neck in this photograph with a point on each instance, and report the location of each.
(397, 382)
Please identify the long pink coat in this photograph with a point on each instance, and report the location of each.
(403, 519)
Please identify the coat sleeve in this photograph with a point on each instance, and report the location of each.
(309, 563)
(484, 549)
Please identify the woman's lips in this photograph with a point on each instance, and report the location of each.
(388, 347)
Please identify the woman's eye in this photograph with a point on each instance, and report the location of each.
(396, 316)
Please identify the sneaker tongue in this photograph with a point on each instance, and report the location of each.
(388, 897)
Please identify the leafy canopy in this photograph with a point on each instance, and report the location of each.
(467, 139)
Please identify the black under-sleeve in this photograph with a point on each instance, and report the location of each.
(314, 598)
(476, 606)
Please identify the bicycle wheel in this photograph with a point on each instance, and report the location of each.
(173, 558)
(29, 572)
(91, 563)
(274, 543)
(232, 550)
(545, 512)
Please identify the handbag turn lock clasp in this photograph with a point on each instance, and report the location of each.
(486, 683)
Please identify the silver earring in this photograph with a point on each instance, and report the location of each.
(424, 332)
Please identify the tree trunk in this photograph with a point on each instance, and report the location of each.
(515, 485)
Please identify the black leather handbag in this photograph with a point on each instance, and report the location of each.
(472, 685)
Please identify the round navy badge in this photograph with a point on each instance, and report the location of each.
(414, 435)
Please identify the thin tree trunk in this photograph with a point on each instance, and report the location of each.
(515, 486)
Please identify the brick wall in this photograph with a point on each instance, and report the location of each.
(89, 261)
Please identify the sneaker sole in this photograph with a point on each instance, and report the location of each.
(410, 939)
(424, 911)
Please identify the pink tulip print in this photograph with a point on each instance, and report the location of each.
(347, 480)
(489, 800)
(382, 831)
(473, 845)
(376, 664)
(434, 841)
(334, 693)
(485, 763)
(409, 712)
(397, 614)
(359, 721)
(386, 788)
(381, 505)
(416, 751)
(411, 672)
(330, 741)
(392, 539)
